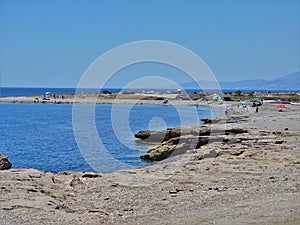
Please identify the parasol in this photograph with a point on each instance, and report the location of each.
(281, 106)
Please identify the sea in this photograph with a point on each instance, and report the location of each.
(41, 136)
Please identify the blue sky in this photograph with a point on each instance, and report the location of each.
(51, 43)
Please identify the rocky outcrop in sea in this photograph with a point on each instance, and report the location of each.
(218, 137)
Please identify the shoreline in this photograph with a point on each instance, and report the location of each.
(123, 99)
(251, 181)
(104, 99)
(152, 98)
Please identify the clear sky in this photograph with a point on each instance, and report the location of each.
(51, 43)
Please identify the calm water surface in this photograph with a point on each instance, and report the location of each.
(41, 136)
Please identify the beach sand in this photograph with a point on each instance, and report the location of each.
(127, 99)
(259, 185)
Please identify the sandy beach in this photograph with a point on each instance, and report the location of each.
(252, 179)
(128, 99)
(150, 112)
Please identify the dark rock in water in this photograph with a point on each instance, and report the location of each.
(158, 153)
(5, 163)
(162, 152)
(153, 136)
(165, 135)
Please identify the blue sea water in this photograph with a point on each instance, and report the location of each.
(41, 136)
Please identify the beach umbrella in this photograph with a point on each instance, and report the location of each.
(281, 106)
(215, 98)
(256, 100)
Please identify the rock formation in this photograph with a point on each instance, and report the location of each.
(202, 130)
(5, 163)
(178, 141)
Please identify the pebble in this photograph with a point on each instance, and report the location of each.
(173, 191)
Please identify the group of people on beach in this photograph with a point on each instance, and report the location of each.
(245, 108)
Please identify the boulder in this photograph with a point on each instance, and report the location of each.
(153, 136)
(162, 152)
(158, 153)
(209, 154)
(5, 163)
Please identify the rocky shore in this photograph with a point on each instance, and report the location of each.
(5, 163)
(241, 169)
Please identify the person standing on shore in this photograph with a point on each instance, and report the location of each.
(256, 110)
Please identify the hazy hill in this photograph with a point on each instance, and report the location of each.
(288, 82)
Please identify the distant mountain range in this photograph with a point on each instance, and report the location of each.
(288, 82)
